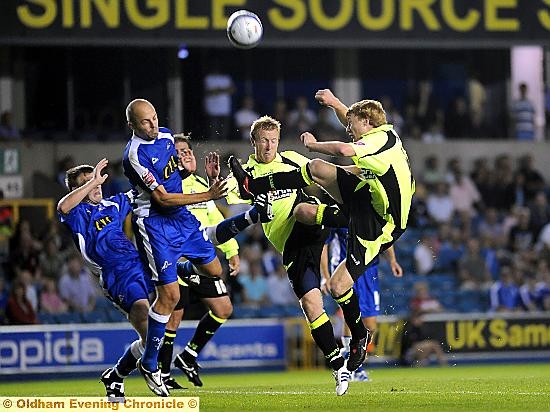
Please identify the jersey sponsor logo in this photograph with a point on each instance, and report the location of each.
(202, 205)
(148, 178)
(155, 160)
(354, 259)
(367, 174)
(101, 223)
(281, 194)
(170, 167)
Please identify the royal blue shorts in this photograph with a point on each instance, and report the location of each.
(368, 292)
(127, 282)
(162, 240)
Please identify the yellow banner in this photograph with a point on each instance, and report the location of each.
(47, 404)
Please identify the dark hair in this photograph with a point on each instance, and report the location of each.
(73, 173)
(182, 137)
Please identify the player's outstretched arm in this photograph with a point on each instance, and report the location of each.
(334, 148)
(165, 199)
(327, 98)
(72, 199)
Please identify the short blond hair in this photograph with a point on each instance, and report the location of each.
(370, 110)
(264, 123)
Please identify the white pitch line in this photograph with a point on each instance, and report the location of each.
(404, 392)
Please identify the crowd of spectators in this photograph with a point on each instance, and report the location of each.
(489, 228)
(43, 274)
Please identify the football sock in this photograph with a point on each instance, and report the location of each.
(205, 330)
(331, 216)
(352, 314)
(230, 227)
(166, 352)
(323, 335)
(127, 362)
(155, 333)
(295, 179)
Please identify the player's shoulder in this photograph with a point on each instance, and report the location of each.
(164, 130)
(292, 156)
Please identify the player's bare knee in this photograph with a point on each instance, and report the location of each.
(221, 307)
(223, 312)
(316, 168)
(305, 213)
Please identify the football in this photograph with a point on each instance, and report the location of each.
(244, 29)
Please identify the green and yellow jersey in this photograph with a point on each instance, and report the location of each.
(277, 230)
(385, 168)
(207, 213)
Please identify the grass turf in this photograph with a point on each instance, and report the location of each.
(500, 388)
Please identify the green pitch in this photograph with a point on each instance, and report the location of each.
(459, 388)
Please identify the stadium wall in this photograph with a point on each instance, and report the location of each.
(268, 344)
(91, 348)
(42, 156)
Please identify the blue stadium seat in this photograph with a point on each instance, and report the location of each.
(103, 303)
(294, 311)
(47, 318)
(114, 315)
(271, 312)
(69, 317)
(472, 301)
(96, 316)
(243, 312)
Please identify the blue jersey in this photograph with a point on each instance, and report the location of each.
(148, 164)
(98, 235)
(163, 234)
(97, 231)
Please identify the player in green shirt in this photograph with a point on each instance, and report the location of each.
(301, 245)
(375, 194)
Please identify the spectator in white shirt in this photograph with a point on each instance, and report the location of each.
(439, 204)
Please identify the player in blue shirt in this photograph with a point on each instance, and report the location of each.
(96, 227)
(165, 230)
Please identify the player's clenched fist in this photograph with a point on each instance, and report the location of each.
(326, 97)
(307, 138)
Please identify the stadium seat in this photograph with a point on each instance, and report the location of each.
(243, 312)
(103, 303)
(96, 316)
(114, 315)
(271, 312)
(294, 311)
(47, 318)
(68, 317)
